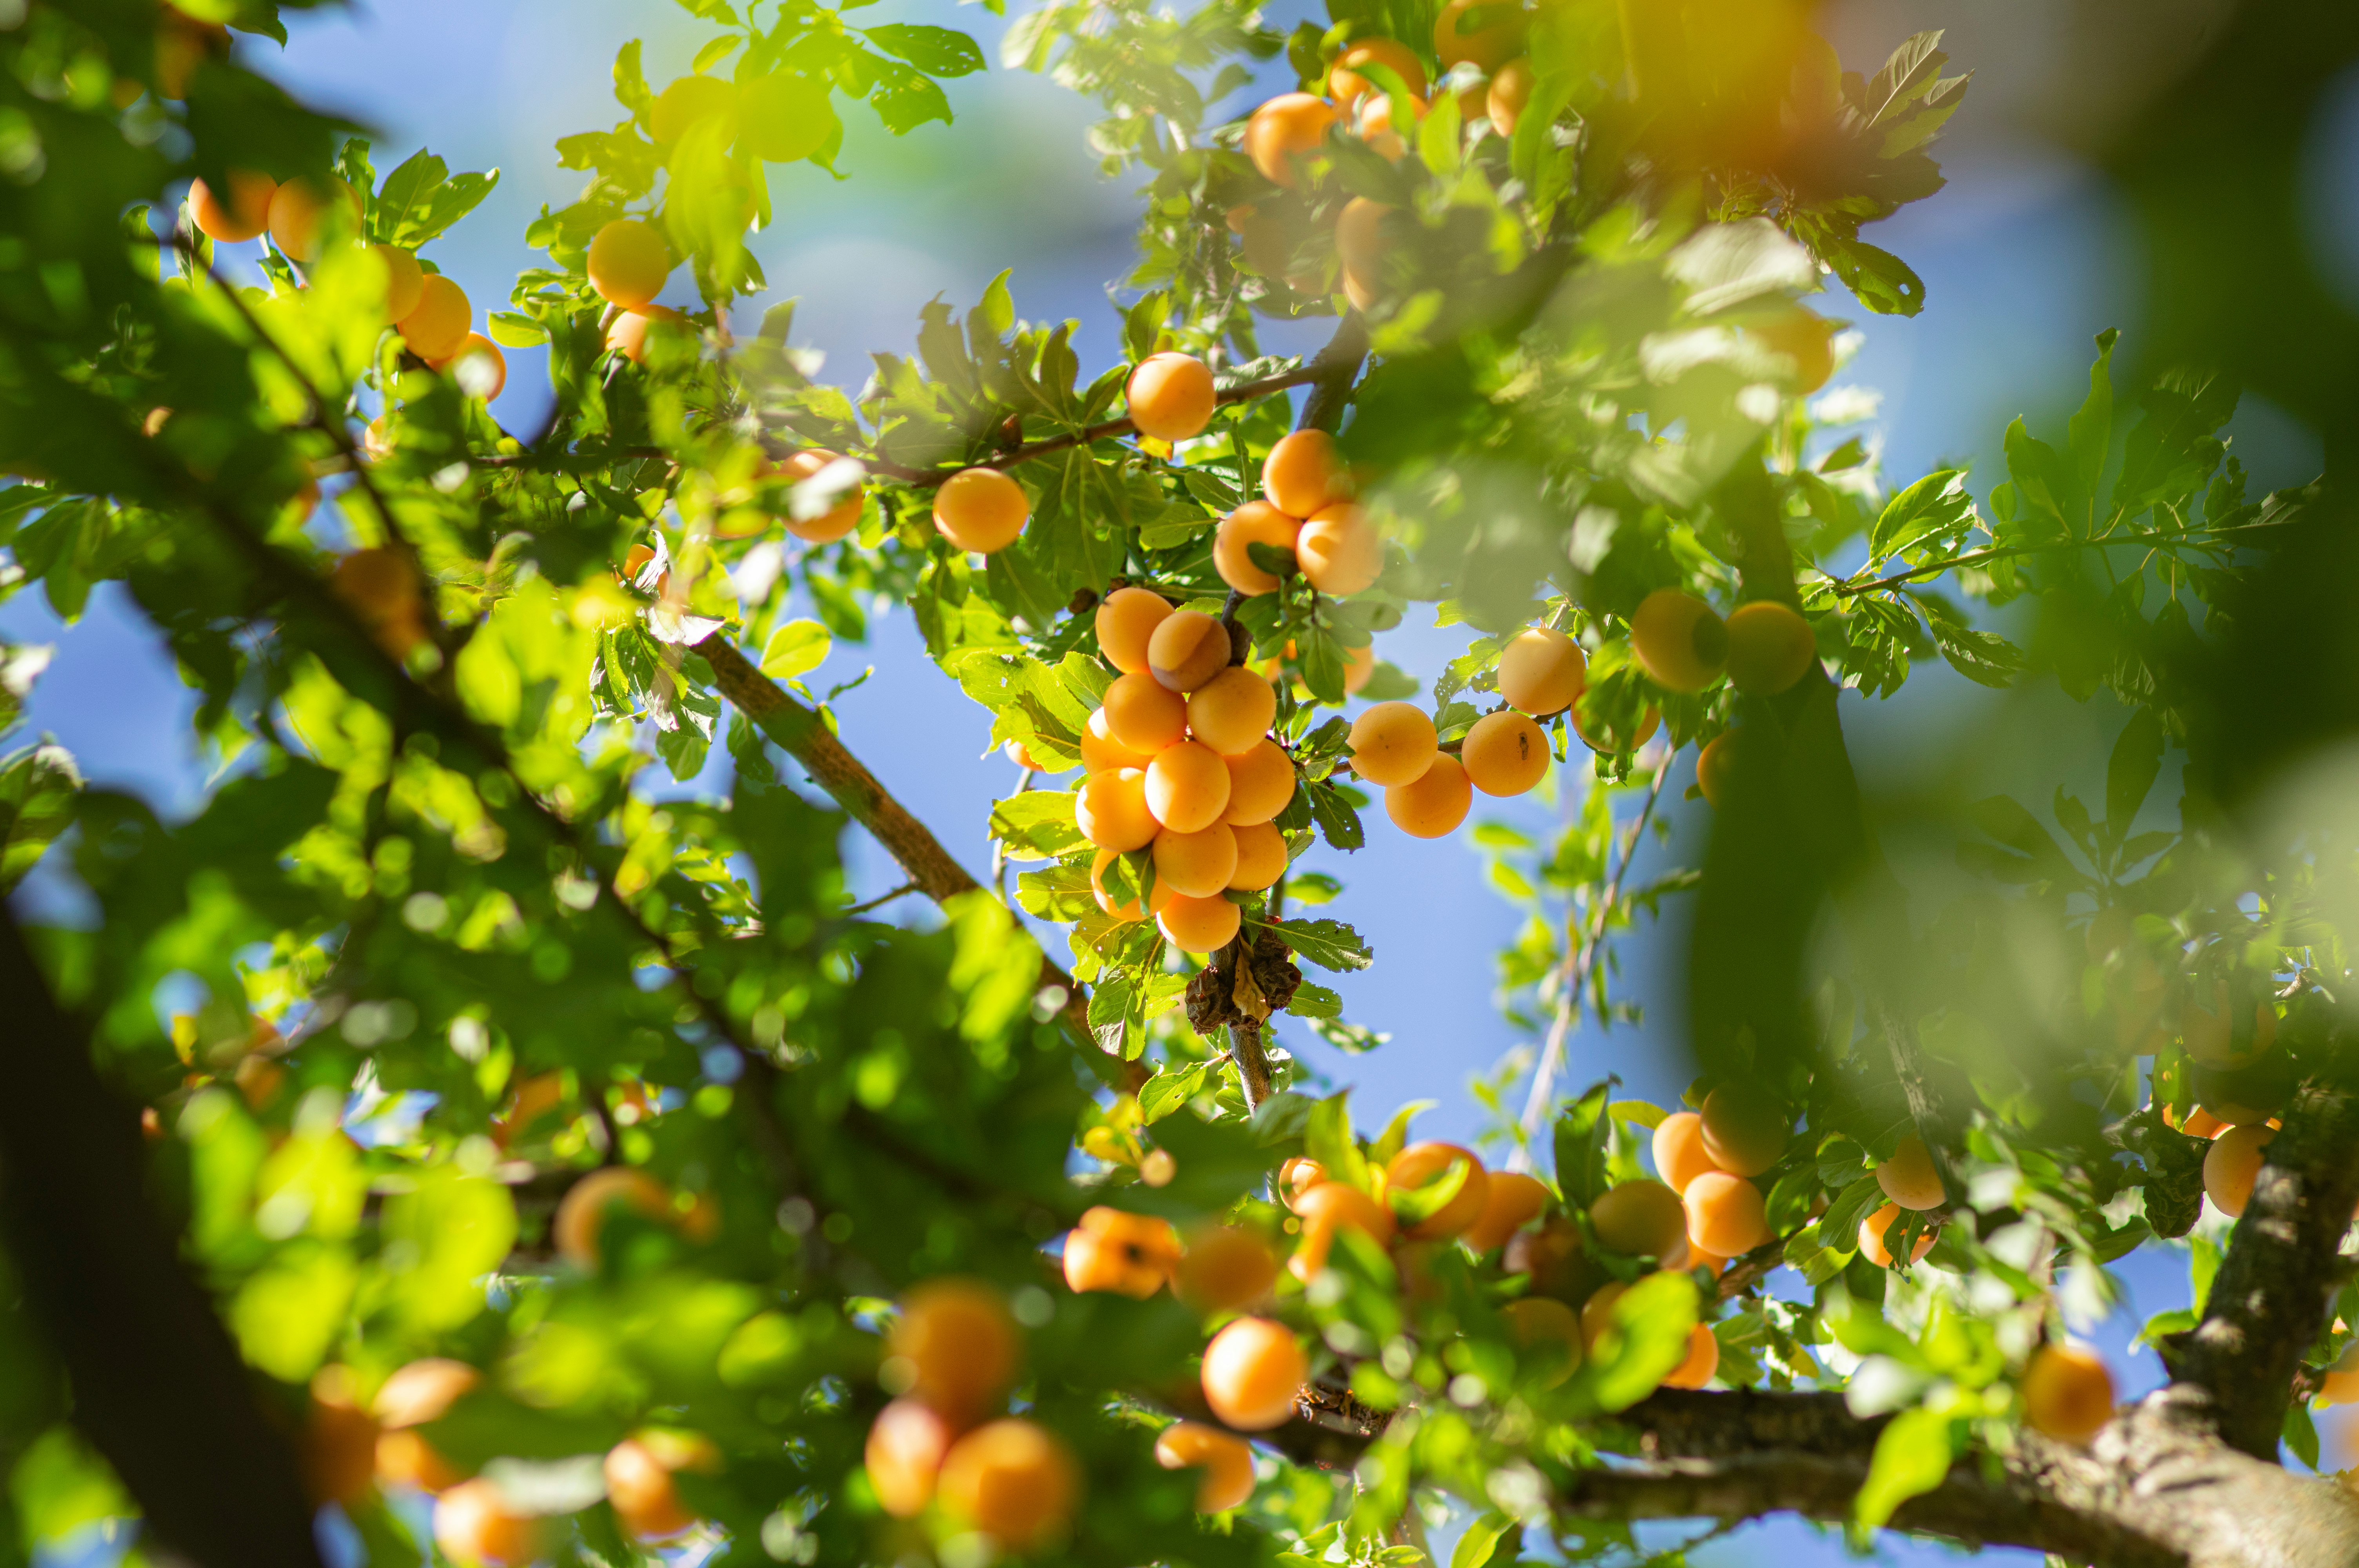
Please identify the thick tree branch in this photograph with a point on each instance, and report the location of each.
(158, 1387)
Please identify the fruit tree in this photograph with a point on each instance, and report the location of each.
(555, 1165)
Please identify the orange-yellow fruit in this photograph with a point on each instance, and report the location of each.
(629, 262)
(478, 366)
(1549, 1330)
(1597, 1312)
(2067, 1393)
(1511, 1200)
(2200, 1123)
(1340, 550)
(1188, 649)
(1110, 808)
(1744, 1130)
(1304, 474)
(1716, 766)
(1875, 1236)
(1726, 1215)
(1261, 782)
(1253, 1370)
(1297, 1177)
(2232, 1164)
(382, 590)
(1361, 248)
(904, 1453)
(1345, 83)
(1127, 619)
(1255, 523)
(1186, 786)
(1197, 864)
(1224, 1268)
(1101, 753)
(245, 214)
(1421, 1164)
(1909, 1179)
(1770, 647)
(1131, 911)
(1807, 340)
(783, 117)
(581, 1213)
(441, 320)
(1393, 743)
(1435, 802)
(1597, 740)
(1144, 716)
(1679, 1152)
(2210, 1039)
(1504, 754)
(687, 101)
(839, 519)
(1509, 94)
(1129, 1254)
(1541, 671)
(955, 1346)
(299, 211)
(1196, 925)
(630, 333)
(1372, 122)
(1359, 666)
(1261, 856)
(1012, 1481)
(405, 280)
(639, 1482)
(182, 44)
(1231, 713)
(981, 510)
(1289, 127)
(1171, 396)
(1016, 751)
(1703, 1360)
(1678, 640)
(1328, 1208)
(418, 1393)
(475, 1523)
(2340, 1384)
(339, 1447)
(1641, 1218)
(1227, 1462)
(1487, 32)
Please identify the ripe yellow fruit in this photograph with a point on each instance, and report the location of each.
(2232, 1164)
(1359, 666)
(1171, 396)
(1433, 804)
(629, 333)
(1253, 1370)
(1372, 122)
(405, 280)
(1131, 911)
(1679, 1152)
(1510, 1202)
(1504, 754)
(1487, 32)
(1197, 864)
(338, 1449)
(1101, 753)
(1223, 1269)
(1186, 786)
(906, 1446)
(2068, 1392)
(1115, 1250)
(629, 262)
(1874, 1235)
(1227, 1462)
(1110, 808)
(839, 519)
(1640, 1217)
(981, 510)
(2209, 1039)
(418, 1393)
(1361, 248)
(1125, 622)
(441, 320)
(1770, 647)
(640, 1484)
(1261, 856)
(1231, 713)
(1509, 94)
(1716, 766)
(1547, 1329)
(1345, 83)
(299, 212)
(1340, 550)
(782, 117)
(1196, 925)
(1743, 1129)
(1808, 340)
(1908, 1178)
(1255, 523)
(1328, 1208)
(1188, 649)
(1143, 715)
(1726, 1215)
(1012, 1481)
(1421, 1164)
(955, 1346)
(687, 101)
(381, 589)
(1304, 474)
(1261, 783)
(1703, 1360)
(1393, 743)
(1296, 1177)
(478, 366)
(581, 1213)
(243, 215)
(182, 44)
(475, 1523)
(1598, 739)
(1541, 671)
(1288, 127)
(1678, 640)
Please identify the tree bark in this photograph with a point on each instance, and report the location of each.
(158, 1387)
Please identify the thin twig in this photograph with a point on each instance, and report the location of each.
(1845, 588)
(882, 898)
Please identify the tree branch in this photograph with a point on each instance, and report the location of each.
(1846, 587)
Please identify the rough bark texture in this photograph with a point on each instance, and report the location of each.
(158, 1387)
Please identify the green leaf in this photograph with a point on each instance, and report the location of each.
(937, 51)
(1934, 504)
(1907, 73)
(1839, 1226)
(796, 648)
(1475, 1548)
(515, 330)
(1327, 1137)
(1329, 943)
(2091, 429)
(1645, 1338)
(1584, 1130)
(1913, 1457)
(1168, 1091)
(1339, 824)
(1395, 1136)
(1315, 1001)
(37, 789)
(2130, 772)
(1036, 824)
(406, 191)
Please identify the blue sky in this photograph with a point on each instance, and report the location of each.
(2025, 256)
